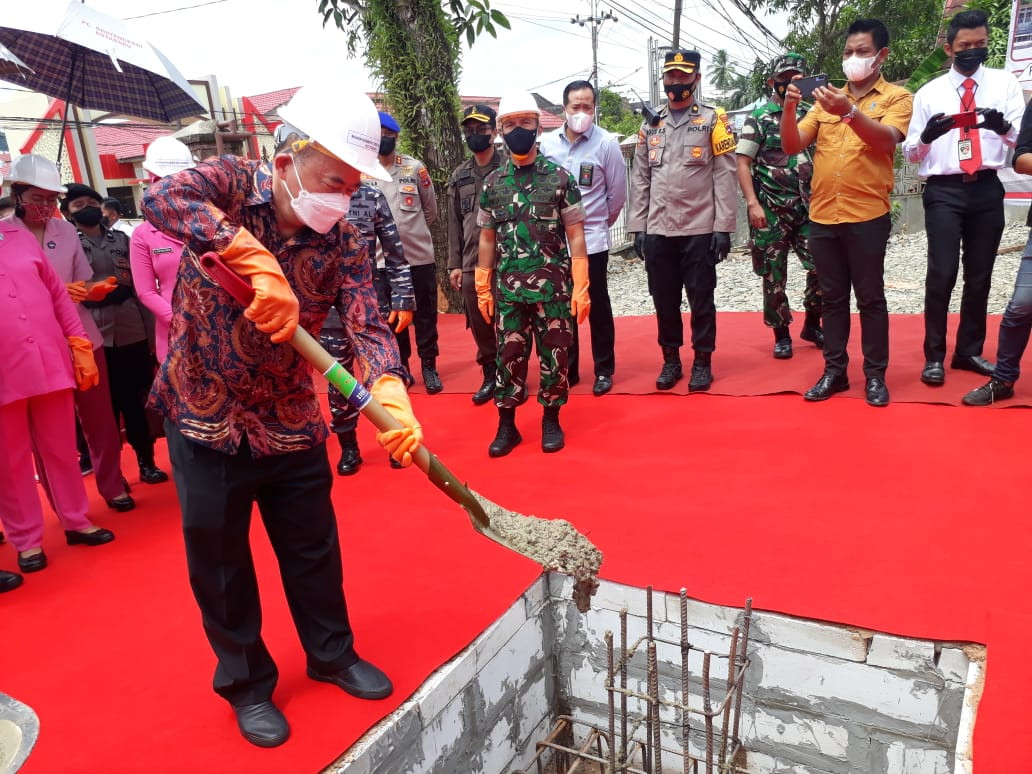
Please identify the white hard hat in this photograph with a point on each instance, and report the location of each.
(38, 172)
(339, 120)
(518, 103)
(167, 155)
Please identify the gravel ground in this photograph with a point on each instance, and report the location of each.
(738, 289)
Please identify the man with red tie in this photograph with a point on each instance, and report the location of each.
(963, 124)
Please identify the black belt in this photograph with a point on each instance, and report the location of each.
(981, 174)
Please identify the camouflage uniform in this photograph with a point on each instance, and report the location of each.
(529, 208)
(372, 217)
(782, 184)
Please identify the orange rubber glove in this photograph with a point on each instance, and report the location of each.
(403, 318)
(83, 364)
(97, 291)
(275, 309)
(401, 444)
(580, 303)
(485, 299)
(76, 291)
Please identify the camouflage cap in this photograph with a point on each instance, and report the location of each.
(789, 62)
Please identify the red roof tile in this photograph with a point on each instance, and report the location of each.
(126, 142)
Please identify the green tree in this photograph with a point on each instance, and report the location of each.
(615, 115)
(413, 49)
(999, 13)
(721, 72)
(747, 87)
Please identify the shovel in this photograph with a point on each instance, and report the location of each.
(554, 544)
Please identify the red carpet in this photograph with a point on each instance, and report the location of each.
(905, 519)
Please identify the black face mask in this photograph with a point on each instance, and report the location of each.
(520, 140)
(478, 142)
(88, 216)
(387, 145)
(780, 88)
(968, 60)
(677, 92)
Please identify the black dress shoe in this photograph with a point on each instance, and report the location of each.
(933, 373)
(96, 538)
(827, 386)
(876, 392)
(350, 461)
(431, 379)
(9, 581)
(702, 378)
(486, 390)
(783, 349)
(602, 385)
(989, 393)
(33, 563)
(262, 724)
(122, 503)
(149, 474)
(972, 363)
(361, 679)
(812, 334)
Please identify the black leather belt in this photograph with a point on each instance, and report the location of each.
(981, 174)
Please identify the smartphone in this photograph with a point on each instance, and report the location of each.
(963, 120)
(808, 84)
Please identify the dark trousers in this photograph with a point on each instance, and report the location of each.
(483, 332)
(600, 320)
(424, 318)
(964, 223)
(1016, 323)
(130, 373)
(673, 263)
(852, 255)
(216, 493)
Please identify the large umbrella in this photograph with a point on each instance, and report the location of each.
(92, 61)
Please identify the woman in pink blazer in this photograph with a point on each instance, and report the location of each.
(46, 355)
(154, 257)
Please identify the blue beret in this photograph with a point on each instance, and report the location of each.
(387, 122)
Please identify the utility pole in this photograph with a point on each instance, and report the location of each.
(595, 20)
(676, 42)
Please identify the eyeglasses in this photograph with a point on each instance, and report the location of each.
(484, 129)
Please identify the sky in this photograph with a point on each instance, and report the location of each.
(257, 46)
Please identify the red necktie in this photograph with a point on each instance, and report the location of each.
(967, 102)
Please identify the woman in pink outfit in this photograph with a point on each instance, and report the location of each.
(46, 355)
(154, 257)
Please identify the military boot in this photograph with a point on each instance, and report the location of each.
(350, 458)
(671, 373)
(552, 439)
(812, 330)
(782, 343)
(431, 379)
(702, 375)
(507, 437)
(486, 391)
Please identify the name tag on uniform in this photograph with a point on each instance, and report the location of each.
(964, 149)
(587, 174)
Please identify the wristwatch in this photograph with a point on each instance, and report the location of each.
(848, 117)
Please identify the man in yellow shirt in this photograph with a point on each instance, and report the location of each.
(856, 132)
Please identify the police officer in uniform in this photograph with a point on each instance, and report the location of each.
(776, 186)
(682, 213)
(464, 186)
(412, 201)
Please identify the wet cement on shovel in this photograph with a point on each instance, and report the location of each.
(554, 543)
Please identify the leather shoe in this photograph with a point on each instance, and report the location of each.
(603, 384)
(933, 373)
(827, 386)
(9, 581)
(262, 724)
(989, 393)
(876, 392)
(149, 474)
(972, 363)
(431, 379)
(33, 563)
(361, 679)
(124, 502)
(350, 461)
(96, 538)
(702, 378)
(783, 349)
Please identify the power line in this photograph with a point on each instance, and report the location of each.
(174, 10)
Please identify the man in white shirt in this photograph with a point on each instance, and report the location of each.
(963, 198)
(592, 155)
(113, 210)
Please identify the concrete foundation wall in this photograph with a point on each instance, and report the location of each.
(819, 698)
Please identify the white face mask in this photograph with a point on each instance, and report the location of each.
(578, 122)
(317, 211)
(857, 68)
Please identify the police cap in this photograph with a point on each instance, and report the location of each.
(479, 112)
(681, 59)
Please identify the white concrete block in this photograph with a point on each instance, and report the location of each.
(953, 665)
(535, 598)
(511, 664)
(617, 596)
(445, 684)
(499, 752)
(913, 760)
(889, 652)
(441, 735)
(809, 636)
(500, 632)
(703, 615)
(802, 732)
(534, 710)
